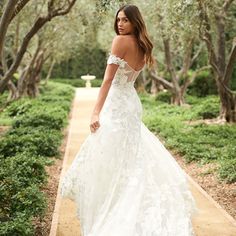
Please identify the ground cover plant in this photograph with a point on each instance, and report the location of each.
(195, 141)
(32, 141)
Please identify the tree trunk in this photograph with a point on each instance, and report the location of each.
(34, 78)
(12, 91)
(177, 95)
(50, 71)
(222, 70)
(26, 74)
(177, 98)
(228, 107)
(155, 87)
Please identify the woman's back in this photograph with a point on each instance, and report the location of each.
(134, 55)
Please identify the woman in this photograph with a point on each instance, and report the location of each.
(124, 181)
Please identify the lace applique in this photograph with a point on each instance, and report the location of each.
(113, 59)
(123, 165)
(124, 76)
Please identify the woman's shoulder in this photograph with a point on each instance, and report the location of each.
(121, 44)
(123, 39)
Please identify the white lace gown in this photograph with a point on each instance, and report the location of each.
(123, 180)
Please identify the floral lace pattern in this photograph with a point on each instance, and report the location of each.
(123, 180)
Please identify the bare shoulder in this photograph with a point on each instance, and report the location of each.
(124, 40)
(120, 45)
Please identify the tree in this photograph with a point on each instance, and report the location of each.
(54, 9)
(213, 22)
(180, 78)
(176, 48)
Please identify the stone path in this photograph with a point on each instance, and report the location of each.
(212, 220)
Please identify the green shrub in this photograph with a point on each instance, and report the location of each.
(55, 120)
(96, 82)
(21, 176)
(193, 100)
(164, 97)
(24, 167)
(17, 198)
(78, 82)
(38, 141)
(19, 107)
(201, 142)
(227, 170)
(55, 89)
(86, 60)
(3, 99)
(209, 108)
(20, 224)
(24, 150)
(203, 85)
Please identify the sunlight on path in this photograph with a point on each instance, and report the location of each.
(212, 220)
(64, 221)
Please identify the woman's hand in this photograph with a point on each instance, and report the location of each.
(94, 123)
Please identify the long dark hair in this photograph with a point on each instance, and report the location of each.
(133, 14)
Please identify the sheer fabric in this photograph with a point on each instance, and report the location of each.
(123, 180)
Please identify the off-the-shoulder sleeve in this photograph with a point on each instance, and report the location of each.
(113, 59)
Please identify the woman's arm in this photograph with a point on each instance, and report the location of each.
(118, 49)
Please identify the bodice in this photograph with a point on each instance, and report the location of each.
(122, 106)
(125, 74)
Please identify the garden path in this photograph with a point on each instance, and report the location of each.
(212, 220)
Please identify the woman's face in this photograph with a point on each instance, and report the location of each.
(123, 24)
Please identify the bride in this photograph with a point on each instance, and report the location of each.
(123, 180)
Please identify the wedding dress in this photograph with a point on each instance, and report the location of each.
(123, 180)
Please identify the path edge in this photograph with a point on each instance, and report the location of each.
(55, 215)
(55, 218)
(210, 199)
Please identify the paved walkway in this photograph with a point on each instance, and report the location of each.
(212, 220)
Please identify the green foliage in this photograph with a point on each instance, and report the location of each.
(228, 170)
(164, 97)
(203, 85)
(57, 90)
(21, 176)
(35, 135)
(198, 142)
(205, 108)
(3, 98)
(78, 82)
(24, 167)
(19, 107)
(38, 141)
(20, 224)
(52, 119)
(86, 61)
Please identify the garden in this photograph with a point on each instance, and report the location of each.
(188, 96)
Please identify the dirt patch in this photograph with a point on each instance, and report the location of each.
(214, 121)
(4, 129)
(43, 227)
(205, 176)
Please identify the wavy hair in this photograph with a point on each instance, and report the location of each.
(133, 14)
